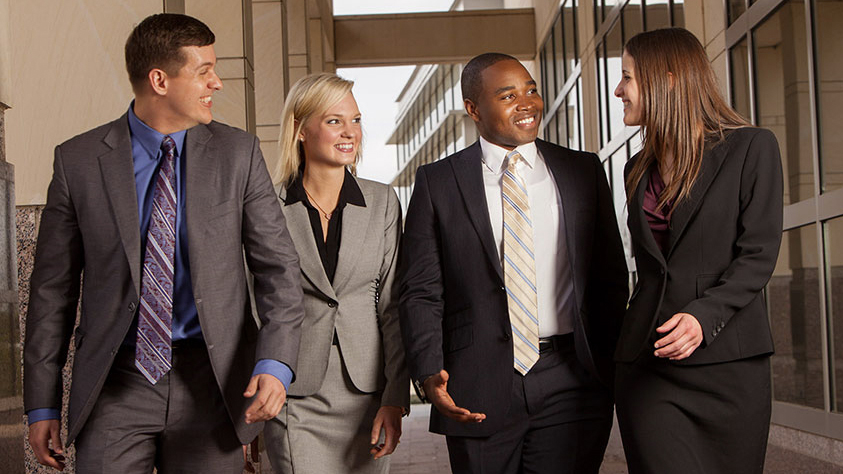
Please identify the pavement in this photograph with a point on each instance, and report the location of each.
(422, 452)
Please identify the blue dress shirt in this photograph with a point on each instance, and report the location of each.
(146, 157)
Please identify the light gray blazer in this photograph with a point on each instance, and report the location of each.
(90, 228)
(362, 303)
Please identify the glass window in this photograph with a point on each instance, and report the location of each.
(603, 107)
(574, 116)
(614, 50)
(558, 54)
(550, 130)
(633, 21)
(735, 9)
(548, 71)
(793, 304)
(834, 284)
(783, 99)
(569, 12)
(829, 43)
(678, 13)
(739, 63)
(562, 124)
(657, 14)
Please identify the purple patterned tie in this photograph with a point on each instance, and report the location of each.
(153, 351)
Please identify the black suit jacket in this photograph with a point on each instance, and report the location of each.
(453, 304)
(723, 246)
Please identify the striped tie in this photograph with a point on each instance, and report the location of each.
(153, 351)
(519, 267)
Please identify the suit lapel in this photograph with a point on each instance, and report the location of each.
(685, 211)
(469, 176)
(201, 164)
(298, 224)
(119, 179)
(355, 222)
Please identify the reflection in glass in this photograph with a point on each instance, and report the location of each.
(559, 54)
(679, 13)
(739, 64)
(794, 307)
(784, 101)
(829, 43)
(562, 124)
(569, 13)
(633, 21)
(549, 71)
(736, 9)
(574, 116)
(834, 284)
(657, 14)
(602, 94)
(614, 49)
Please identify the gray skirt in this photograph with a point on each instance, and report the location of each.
(327, 432)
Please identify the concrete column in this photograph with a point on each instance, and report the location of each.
(11, 390)
(231, 22)
(271, 79)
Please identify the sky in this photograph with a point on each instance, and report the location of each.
(377, 88)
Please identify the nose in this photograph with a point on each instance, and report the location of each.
(619, 90)
(216, 82)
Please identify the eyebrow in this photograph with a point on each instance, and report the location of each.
(509, 88)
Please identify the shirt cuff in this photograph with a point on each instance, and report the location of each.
(277, 369)
(41, 414)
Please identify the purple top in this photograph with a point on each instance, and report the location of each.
(659, 220)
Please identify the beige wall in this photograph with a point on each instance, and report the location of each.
(5, 55)
(67, 76)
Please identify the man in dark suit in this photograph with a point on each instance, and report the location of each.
(160, 212)
(513, 286)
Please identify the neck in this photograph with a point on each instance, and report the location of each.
(155, 115)
(323, 182)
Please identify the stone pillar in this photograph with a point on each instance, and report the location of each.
(271, 78)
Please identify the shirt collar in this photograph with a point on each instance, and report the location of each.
(149, 138)
(350, 192)
(494, 156)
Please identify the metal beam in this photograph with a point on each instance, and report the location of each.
(429, 38)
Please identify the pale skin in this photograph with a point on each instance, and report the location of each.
(331, 142)
(170, 103)
(683, 333)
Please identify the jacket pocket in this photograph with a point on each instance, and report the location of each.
(458, 338)
(704, 282)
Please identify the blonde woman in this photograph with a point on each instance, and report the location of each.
(344, 409)
(705, 216)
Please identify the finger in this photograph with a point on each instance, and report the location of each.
(390, 442)
(674, 348)
(669, 324)
(55, 438)
(251, 388)
(376, 430)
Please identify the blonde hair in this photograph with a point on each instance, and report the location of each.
(311, 96)
(681, 107)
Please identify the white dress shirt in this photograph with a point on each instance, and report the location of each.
(554, 282)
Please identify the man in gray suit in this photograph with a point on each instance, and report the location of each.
(160, 212)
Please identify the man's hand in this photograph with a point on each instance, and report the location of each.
(436, 390)
(43, 434)
(387, 419)
(685, 335)
(269, 400)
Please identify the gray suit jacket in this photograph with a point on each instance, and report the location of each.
(90, 228)
(362, 303)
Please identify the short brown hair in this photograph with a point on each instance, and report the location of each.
(157, 41)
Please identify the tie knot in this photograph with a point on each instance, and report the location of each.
(513, 158)
(168, 146)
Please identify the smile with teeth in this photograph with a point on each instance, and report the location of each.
(344, 147)
(525, 121)
(205, 100)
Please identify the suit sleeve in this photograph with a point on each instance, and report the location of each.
(421, 292)
(396, 392)
(274, 263)
(759, 237)
(608, 285)
(54, 295)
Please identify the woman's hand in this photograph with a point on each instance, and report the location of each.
(387, 419)
(683, 338)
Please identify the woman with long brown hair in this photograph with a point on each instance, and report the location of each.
(705, 216)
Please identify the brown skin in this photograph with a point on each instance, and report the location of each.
(507, 112)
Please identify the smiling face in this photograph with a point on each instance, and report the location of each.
(188, 94)
(508, 109)
(333, 138)
(627, 90)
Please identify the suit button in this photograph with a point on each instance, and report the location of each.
(132, 306)
(503, 288)
(332, 304)
(714, 332)
(506, 337)
(661, 271)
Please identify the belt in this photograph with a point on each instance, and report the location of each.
(555, 343)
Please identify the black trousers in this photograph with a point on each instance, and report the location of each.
(179, 425)
(697, 419)
(559, 421)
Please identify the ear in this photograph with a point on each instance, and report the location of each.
(158, 81)
(471, 109)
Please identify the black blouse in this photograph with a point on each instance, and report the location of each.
(329, 246)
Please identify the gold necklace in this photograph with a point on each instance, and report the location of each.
(327, 215)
